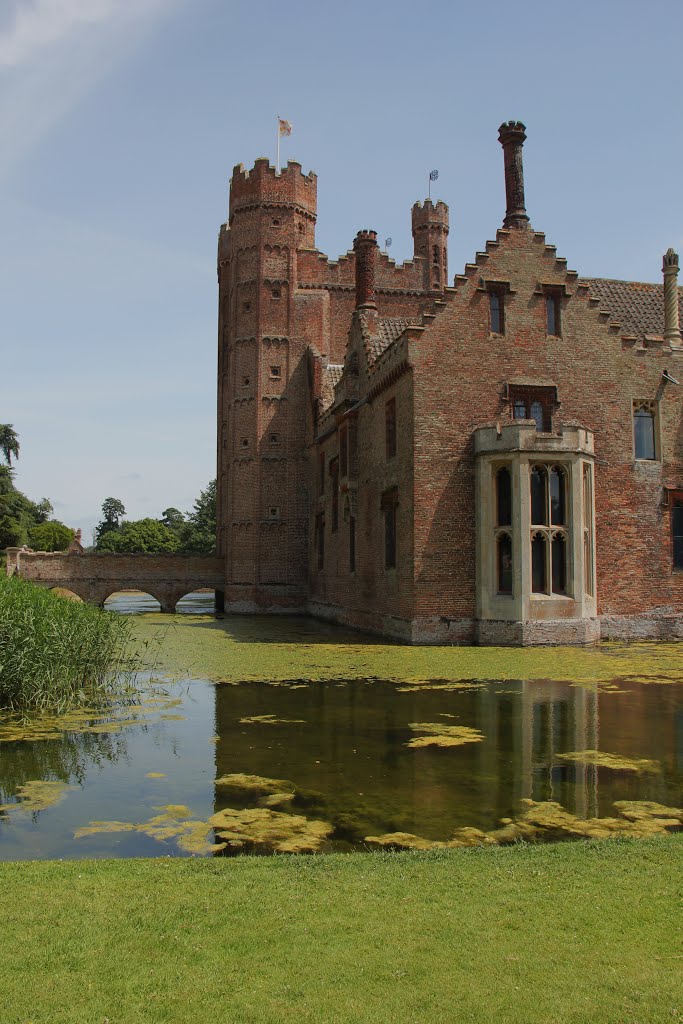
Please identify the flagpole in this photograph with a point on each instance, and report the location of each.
(278, 144)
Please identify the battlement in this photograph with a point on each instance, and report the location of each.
(429, 214)
(264, 185)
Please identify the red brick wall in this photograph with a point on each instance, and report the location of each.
(460, 372)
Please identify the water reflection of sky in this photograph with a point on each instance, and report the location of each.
(345, 749)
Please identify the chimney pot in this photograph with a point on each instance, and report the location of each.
(672, 331)
(365, 248)
(511, 135)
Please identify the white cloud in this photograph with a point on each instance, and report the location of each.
(52, 52)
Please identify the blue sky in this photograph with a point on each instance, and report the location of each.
(121, 121)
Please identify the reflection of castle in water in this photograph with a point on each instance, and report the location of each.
(347, 749)
(530, 724)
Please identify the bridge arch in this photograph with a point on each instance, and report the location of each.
(68, 593)
(132, 600)
(199, 600)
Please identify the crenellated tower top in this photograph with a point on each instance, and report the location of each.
(262, 185)
(430, 237)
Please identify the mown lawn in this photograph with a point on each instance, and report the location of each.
(526, 935)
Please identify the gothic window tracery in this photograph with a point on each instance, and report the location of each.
(644, 439)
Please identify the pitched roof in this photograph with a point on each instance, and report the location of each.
(332, 374)
(390, 328)
(636, 305)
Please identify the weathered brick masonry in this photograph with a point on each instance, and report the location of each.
(94, 577)
(500, 461)
(366, 411)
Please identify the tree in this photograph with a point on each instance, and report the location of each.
(50, 536)
(109, 542)
(18, 514)
(173, 519)
(199, 535)
(9, 442)
(113, 511)
(147, 536)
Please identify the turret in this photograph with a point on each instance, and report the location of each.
(262, 403)
(275, 201)
(430, 238)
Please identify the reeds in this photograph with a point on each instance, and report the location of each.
(56, 653)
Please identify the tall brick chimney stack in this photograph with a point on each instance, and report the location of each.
(672, 331)
(365, 248)
(511, 135)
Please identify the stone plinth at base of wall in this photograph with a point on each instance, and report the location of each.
(537, 633)
(666, 626)
(368, 622)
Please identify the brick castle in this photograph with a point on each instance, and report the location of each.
(497, 459)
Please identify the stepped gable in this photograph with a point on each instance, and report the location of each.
(638, 306)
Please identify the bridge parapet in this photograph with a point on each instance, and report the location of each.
(94, 577)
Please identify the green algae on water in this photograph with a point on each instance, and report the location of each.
(38, 795)
(254, 785)
(270, 720)
(438, 734)
(173, 822)
(615, 762)
(260, 828)
(292, 649)
(548, 821)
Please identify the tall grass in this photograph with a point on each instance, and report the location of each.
(56, 653)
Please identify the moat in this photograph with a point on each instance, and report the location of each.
(199, 766)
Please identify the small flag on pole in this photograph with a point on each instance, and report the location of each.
(433, 175)
(283, 128)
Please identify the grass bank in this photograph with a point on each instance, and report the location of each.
(55, 653)
(573, 933)
(276, 648)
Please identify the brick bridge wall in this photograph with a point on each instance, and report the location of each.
(94, 577)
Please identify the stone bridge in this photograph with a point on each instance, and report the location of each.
(95, 577)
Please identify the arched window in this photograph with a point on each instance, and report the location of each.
(644, 430)
(558, 497)
(539, 576)
(504, 563)
(539, 496)
(559, 563)
(503, 497)
(588, 530)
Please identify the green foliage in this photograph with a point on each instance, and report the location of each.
(55, 653)
(113, 511)
(109, 543)
(9, 442)
(199, 533)
(174, 519)
(142, 536)
(194, 534)
(50, 536)
(18, 515)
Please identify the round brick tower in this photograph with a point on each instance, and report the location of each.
(430, 237)
(262, 392)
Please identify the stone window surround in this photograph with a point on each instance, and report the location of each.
(519, 447)
(652, 406)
